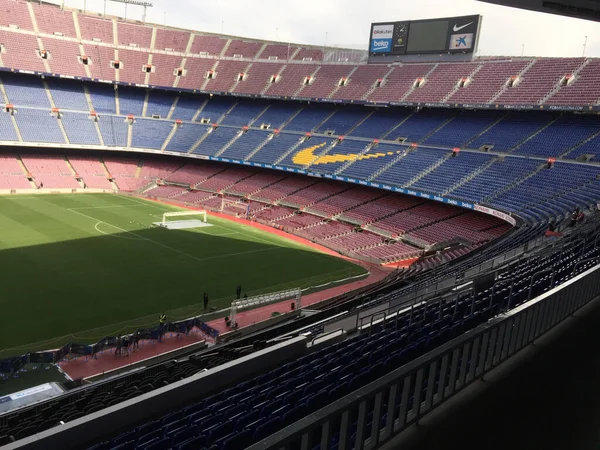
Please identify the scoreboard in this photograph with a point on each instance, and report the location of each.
(451, 34)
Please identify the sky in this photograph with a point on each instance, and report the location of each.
(346, 23)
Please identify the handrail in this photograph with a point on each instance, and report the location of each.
(320, 336)
(510, 293)
(584, 261)
(533, 279)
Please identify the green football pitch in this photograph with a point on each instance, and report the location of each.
(79, 267)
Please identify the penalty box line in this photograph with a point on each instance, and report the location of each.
(154, 205)
(143, 238)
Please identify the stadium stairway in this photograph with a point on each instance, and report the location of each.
(505, 87)
(387, 166)
(117, 101)
(291, 150)
(485, 130)
(516, 183)
(347, 164)
(428, 170)
(259, 147)
(292, 117)
(470, 176)
(138, 170)
(170, 135)
(574, 74)
(26, 171)
(531, 136)
(198, 142)
(438, 128)
(146, 97)
(199, 111)
(73, 171)
(414, 86)
(229, 143)
(174, 105)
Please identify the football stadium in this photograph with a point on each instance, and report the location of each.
(218, 242)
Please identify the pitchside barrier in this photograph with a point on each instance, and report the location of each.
(13, 364)
(262, 300)
(378, 412)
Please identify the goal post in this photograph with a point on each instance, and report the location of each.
(200, 212)
(243, 208)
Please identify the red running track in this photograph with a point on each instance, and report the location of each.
(107, 361)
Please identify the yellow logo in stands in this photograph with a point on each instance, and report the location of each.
(307, 156)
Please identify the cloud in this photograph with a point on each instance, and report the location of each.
(346, 23)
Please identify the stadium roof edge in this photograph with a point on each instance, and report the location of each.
(578, 9)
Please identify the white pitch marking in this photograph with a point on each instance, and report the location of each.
(266, 241)
(114, 235)
(171, 248)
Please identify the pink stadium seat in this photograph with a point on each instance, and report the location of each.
(278, 51)
(488, 81)
(138, 35)
(192, 174)
(255, 183)
(583, 90)
(257, 78)
(100, 57)
(51, 20)
(196, 72)
(291, 79)
(399, 82)
(361, 81)
(95, 28)
(52, 171)
(211, 45)
(313, 54)
(21, 51)
(63, 57)
(91, 171)
(282, 189)
(165, 66)
(132, 62)
(15, 13)
(227, 73)
(11, 174)
(225, 179)
(539, 80)
(326, 80)
(171, 40)
(245, 49)
(441, 82)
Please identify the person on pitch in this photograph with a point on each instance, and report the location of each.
(119, 345)
(205, 300)
(135, 341)
(238, 291)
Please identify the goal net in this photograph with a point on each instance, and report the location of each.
(180, 224)
(234, 207)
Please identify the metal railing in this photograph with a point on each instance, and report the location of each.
(376, 413)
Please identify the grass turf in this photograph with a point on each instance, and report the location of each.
(79, 267)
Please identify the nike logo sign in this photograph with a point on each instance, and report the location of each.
(457, 28)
